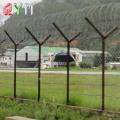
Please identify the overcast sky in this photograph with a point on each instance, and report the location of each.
(3, 2)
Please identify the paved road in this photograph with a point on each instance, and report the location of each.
(64, 72)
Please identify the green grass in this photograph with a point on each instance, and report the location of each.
(41, 111)
(85, 90)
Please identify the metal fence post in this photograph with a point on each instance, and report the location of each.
(68, 69)
(104, 37)
(39, 68)
(15, 72)
(15, 44)
(68, 54)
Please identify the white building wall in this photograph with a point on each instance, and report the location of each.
(32, 55)
(5, 61)
(111, 64)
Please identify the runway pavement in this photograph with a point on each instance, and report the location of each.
(63, 72)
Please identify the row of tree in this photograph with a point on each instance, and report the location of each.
(97, 61)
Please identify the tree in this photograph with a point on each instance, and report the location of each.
(97, 61)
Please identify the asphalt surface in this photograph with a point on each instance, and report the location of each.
(64, 72)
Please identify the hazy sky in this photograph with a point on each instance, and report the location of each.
(3, 2)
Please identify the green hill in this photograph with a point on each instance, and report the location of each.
(69, 15)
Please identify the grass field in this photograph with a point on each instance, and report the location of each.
(42, 111)
(85, 90)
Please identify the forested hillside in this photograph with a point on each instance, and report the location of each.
(69, 15)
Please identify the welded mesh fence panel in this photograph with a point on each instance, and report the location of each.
(85, 69)
(112, 79)
(27, 84)
(27, 77)
(53, 87)
(85, 62)
(6, 77)
(53, 82)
